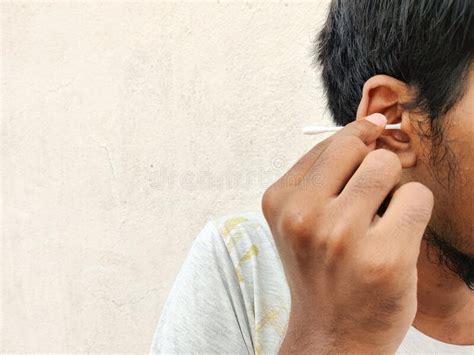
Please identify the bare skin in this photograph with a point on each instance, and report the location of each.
(357, 280)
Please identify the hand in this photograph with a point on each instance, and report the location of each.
(352, 274)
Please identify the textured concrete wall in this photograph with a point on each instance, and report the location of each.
(125, 126)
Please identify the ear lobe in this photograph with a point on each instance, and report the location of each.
(385, 94)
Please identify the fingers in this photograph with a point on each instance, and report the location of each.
(325, 169)
(297, 172)
(362, 196)
(405, 220)
(341, 158)
(363, 130)
(367, 129)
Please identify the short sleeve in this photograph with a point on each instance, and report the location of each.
(205, 311)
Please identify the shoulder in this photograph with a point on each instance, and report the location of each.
(243, 239)
(243, 249)
(236, 232)
(249, 244)
(245, 235)
(251, 224)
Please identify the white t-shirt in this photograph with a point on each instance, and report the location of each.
(231, 296)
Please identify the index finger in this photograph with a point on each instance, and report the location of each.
(343, 156)
(367, 130)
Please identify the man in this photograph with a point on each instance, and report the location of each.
(366, 244)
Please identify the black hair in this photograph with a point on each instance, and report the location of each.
(428, 44)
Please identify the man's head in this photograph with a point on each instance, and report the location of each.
(412, 60)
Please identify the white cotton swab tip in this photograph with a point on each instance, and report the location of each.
(310, 130)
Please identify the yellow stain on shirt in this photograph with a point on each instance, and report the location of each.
(239, 275)
(231, 237)
(268, 317)
(253, 250)
(271, 317)
(233, 240)
(230, 224)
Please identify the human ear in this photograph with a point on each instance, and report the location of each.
(385, 94)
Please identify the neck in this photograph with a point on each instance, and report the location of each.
(445, 303)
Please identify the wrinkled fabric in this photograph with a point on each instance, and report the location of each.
(231, 296)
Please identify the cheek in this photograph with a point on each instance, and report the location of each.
(452, 183)
(465, 201)
(462, 164)
(456, 204)
(452, 219)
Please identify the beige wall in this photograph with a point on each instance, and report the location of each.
(124, 128)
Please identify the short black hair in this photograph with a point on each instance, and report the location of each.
(428, 44)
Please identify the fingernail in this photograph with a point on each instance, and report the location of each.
(377, 118)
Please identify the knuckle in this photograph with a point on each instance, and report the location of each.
(296, 223)
(341, 231)
(371, 179)
(377, 272)
(269, 201)
(415, 217)
(336, 241)
(332, 235)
